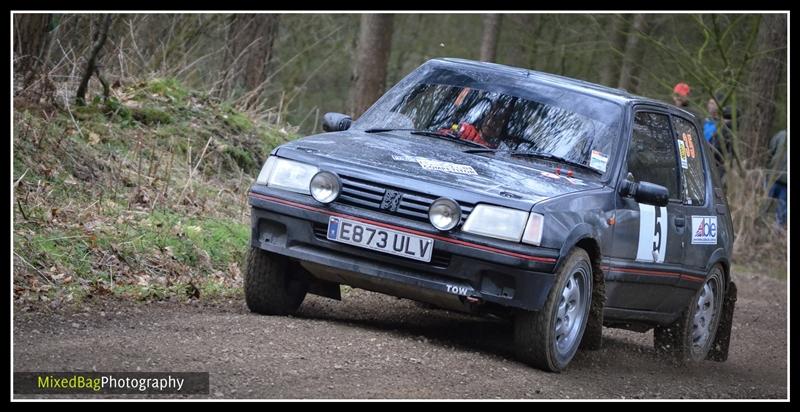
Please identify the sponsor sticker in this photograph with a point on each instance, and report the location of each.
(430, 164)
(687, 138)
(684, 161)
(404, 158)
(598, 161)
(704, 230)
(446, 167)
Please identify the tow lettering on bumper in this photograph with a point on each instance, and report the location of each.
(457, 290)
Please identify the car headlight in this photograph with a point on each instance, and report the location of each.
(266, 170)
(286, 174)
(444, 214)
(325, 187)
(498, 222)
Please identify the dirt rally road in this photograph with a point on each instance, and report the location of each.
(376, 346)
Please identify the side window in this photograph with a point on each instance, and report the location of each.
(651, 156)
(693, 176)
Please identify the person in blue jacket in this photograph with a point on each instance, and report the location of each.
(710, 124)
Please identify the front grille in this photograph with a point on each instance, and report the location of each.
(321, 230)
(369, 195)
(438, 259)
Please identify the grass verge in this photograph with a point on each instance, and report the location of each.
(142, 196)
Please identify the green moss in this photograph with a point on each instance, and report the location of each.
(89, 113)
(119, 111)
(202, 243)
(243, 158)
(151, 115)
(237, 121)
(184, 238)
(68, 250)
(169, 88)
(270, 138)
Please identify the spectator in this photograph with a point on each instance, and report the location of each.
(680, 97)
(779, 190)
(722, 142)
(710, 125)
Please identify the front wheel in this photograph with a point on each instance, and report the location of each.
(269, 287)
(689, 338)
(548, 338)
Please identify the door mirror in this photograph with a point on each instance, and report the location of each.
(645, 192)
(336, 122)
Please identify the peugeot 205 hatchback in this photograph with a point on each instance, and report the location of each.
(563, 205)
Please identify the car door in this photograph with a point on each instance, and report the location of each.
(700, 238)
(647, 252)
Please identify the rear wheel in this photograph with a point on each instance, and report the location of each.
(269, 287)
(548, 338)
(690, 337)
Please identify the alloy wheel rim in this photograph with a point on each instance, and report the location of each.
(704, 315)
(570, 312)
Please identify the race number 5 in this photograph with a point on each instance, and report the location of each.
(652, 234)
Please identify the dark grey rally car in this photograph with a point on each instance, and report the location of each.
(563, 205)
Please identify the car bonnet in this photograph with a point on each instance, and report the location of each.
(441, 162)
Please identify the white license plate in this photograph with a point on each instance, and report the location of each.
(379, 238)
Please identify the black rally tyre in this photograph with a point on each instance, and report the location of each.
(269, 288)
(690, 338)
(548, 339)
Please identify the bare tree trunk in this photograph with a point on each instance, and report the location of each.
(91, 66)
(372, 58)
(610, 73)
(491, 32)
(634, 51)
(251, 37)
(31, 42)
(413, 24)
(551, 64)
(588, 58)
(765, 73)
(533, 51)
(525, 25)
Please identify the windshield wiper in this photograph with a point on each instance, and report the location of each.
(483, 149)
(431, 133)
(550, 156)
(381, 130)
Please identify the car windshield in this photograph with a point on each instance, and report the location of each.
(509, 115)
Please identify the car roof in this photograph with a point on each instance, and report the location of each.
(620, 96)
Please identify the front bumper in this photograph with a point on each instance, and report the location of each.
(295, 226)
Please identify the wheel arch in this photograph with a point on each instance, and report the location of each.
(720, 257)
(582, 236)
